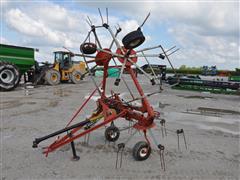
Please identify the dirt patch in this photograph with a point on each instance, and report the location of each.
(214, 110)
(194, 97)
(13, 104)
(53, 103)
(28, 112)
(62, 92)
(10, 104)
(161, 105)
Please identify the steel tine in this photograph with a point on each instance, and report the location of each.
(184, 140)
(116, 164)
(100, 15)
(121, 158)
(145, 20)
(168, 60)
(119, 26)
(89, 20)
(107, 14)
(165, 129)
(88, 23)
(173, 52)
(178, 141)
(170, 49)
(163, 160)
(162, 131)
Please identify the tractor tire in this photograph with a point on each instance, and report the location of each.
(133, 39)
(112, 133)
(9, 76)
(76, 76)
(141, 151)
(52, 77)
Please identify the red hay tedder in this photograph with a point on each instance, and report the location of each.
(111, 108)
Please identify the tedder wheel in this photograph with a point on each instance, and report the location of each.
(76, 76)
(133, 39)
(9, 76)
(141, 151)
(112, 133)
(52, 77)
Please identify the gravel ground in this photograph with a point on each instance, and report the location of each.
(212, 135)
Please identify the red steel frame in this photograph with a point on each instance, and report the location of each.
(112, 108)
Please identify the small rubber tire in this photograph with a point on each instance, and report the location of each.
(52, 77)
(76, 76)
(9, 76)
(112, 133)
(141, 151)
(88, 48)
(133, 39)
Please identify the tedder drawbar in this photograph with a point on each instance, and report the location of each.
(111, 108)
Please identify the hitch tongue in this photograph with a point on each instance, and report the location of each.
(78, 125)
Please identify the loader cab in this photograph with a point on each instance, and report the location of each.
(64, 59)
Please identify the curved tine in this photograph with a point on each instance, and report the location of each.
(89, 20)
(117, 31)
(169, 61)
(145, 20)
(100, 15)
(155, 76)
(173, 52)
(119, 26)
(170, 49)
(87, 36)
(107, 14)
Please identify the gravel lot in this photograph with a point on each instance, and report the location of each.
(212, 136)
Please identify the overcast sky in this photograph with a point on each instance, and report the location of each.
(206, 32)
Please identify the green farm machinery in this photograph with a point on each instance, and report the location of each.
(14, 62)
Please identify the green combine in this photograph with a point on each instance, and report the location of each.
(14, 62)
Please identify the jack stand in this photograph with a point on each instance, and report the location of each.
(75, 156)
(180, 131)
(161, 153)
(121, 147)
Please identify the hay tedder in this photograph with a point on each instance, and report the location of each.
(110, 108)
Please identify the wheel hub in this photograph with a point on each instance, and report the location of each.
(143, 152)
(113, 134)
(54, 77)
(7, 76)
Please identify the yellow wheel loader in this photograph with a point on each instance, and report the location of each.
(64, 69)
